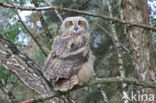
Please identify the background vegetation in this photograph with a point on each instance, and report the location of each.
(101, 44)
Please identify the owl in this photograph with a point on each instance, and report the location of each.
(71, 61)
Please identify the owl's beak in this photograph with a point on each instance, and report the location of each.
(75, 27)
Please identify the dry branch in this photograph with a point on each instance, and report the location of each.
(110, 35)
(57, 13)
(95, 82)
(79, 12)
(44, 24)
(31, 34)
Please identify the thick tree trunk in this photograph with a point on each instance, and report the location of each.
(139, 44)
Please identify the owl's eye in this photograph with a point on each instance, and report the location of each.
(80, 23)
(70, 24)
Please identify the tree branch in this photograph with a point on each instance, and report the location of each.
(79, 12)
(31, 34)
(110, 35)
(57, 13)
(95, 82)
(44, 25)
(23, 67)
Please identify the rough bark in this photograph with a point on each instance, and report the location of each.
(22, 66)
(139, 44)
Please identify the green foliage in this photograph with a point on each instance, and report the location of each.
(11, 32)
(19, 2)
(88, 95)
(4, 74)
(7, 77)
(101, 44)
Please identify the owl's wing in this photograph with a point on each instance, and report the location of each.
(65, 46)
(66, 57)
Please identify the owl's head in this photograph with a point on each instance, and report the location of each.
(75, 25)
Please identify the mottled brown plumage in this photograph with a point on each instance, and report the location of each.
(70, 56)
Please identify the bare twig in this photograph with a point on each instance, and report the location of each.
(57, 13)
(109, 34)
(102, 28)
(44, 24)
(31, 34)
(79, 12)
(39, 34)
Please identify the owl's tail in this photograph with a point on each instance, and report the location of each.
(64, 85)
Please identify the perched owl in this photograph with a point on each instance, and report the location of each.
(70, 61)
